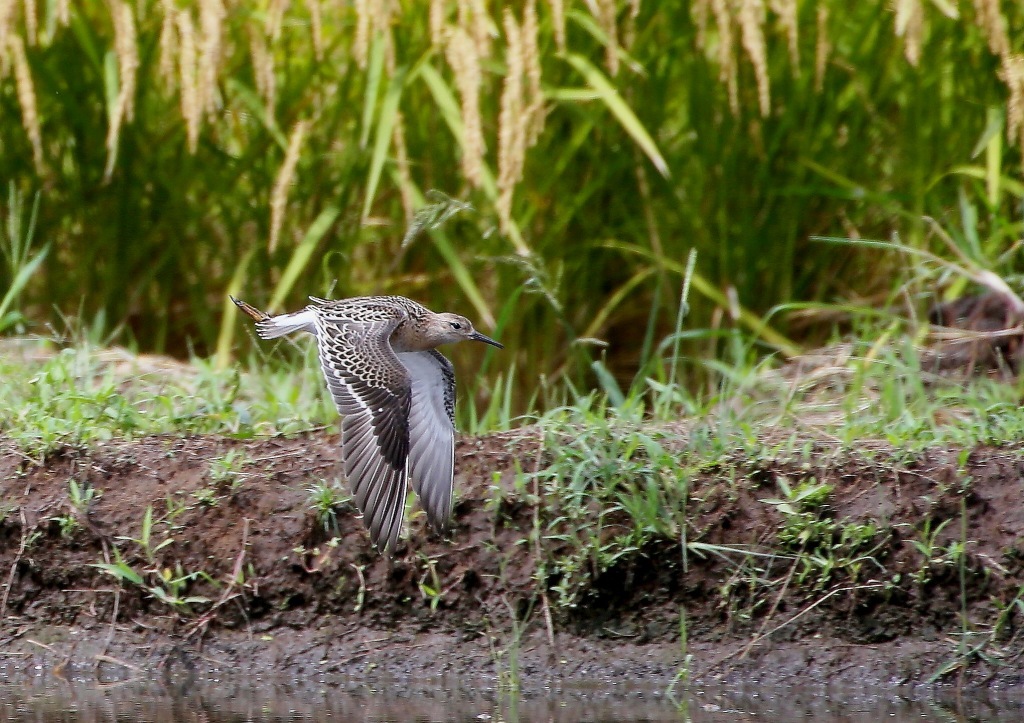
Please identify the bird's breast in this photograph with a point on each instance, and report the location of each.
(406, 337)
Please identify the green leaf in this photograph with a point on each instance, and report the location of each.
(302, 255)
(374, 72)
(620, 109)
(20, 280)
(608, 383)
(229, 313)
(121, 571)
(385, 125)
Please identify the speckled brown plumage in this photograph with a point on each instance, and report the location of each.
(397, 395)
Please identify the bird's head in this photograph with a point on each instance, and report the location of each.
(450, 328)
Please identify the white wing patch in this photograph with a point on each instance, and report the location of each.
(276, 326)
(431, 432)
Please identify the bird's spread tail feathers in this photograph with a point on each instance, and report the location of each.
(271, 327)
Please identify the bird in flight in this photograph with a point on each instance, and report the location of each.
(396, 393)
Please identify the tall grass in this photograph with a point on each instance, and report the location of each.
(281, 149)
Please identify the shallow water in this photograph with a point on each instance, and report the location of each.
(48, 697)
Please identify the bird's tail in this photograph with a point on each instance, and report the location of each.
(271, 327)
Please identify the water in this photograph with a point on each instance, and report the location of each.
(47, 697)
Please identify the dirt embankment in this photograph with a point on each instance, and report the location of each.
(239, 571)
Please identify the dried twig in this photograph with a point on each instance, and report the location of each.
(761, 636)
(229, 592)
(545, 605)
(115, 661)
(14, 565)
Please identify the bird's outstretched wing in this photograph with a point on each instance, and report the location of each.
(373, 391)
(432, 432)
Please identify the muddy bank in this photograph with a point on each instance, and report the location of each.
(240, 571)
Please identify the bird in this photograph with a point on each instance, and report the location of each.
(396, 394)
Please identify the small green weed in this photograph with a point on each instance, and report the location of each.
(824, 547)
(933, 556)
(145, 541)
(82, 496)
(206, 497)
(325, 498)
(226, 471)
(68, 525)
(431, 590)
(611, 486)
(175, 508)
(800, 508)
(162, 583)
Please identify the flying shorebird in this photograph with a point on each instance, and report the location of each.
(396, 393)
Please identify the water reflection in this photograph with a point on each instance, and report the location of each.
(47, 697)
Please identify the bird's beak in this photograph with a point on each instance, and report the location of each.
(477, 336)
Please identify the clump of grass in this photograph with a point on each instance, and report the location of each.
(82, 496)
(80, 396)
(325, 499)
(826, 549)
(611, 485)
(206, 497)
(227, 469)
(68, 525)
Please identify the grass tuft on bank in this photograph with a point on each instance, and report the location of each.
(79, 396)
(885, 389)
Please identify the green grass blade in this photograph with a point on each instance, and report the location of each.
(19, 282)
(255, 105)
(704, 287)
(385, 125)
(374, 73)
(608, 383)
(620, 109)
(120, 572)
(1008, 184)
(228, 314)
(302, 254)
(443, 98)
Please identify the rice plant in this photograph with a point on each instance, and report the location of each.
(284, 148)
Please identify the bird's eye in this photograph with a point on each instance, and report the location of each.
(456, 325)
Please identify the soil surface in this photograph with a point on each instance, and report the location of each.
(276, 589)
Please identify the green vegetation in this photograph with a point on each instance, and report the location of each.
(325, 498)
(281, 150)
(610, 479)
(163, 584)
(825, 548)
(78, 396)
(81, 497)
(226, 471)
